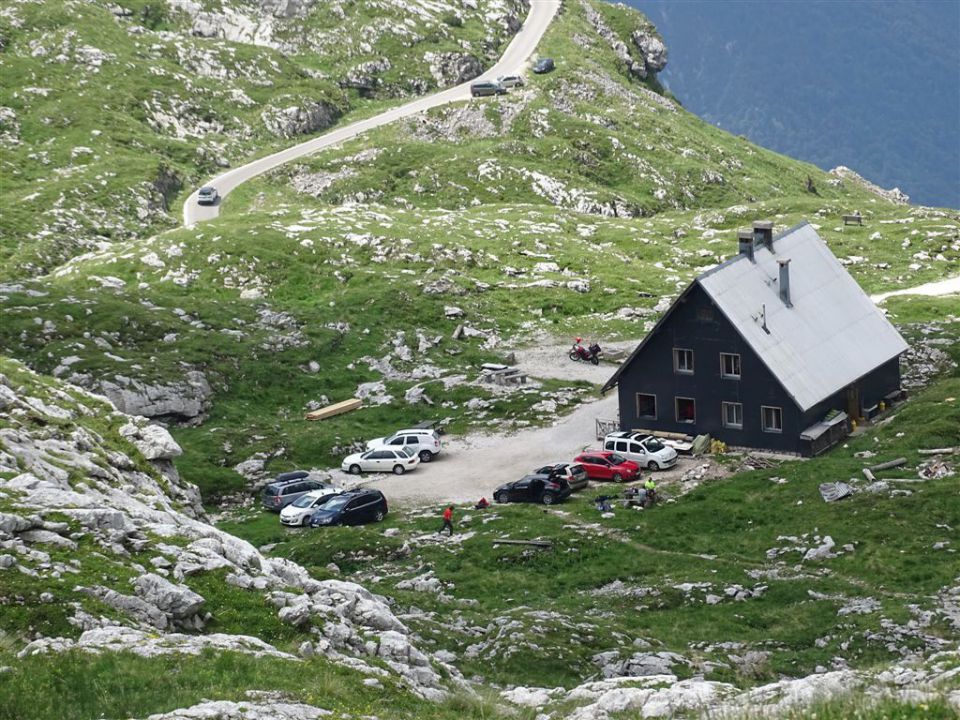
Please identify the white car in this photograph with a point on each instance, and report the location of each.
(299, 511)
(425, 444)
(511, 80)
(645, 450)
(398, 461)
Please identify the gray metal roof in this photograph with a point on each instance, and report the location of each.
(833, 334)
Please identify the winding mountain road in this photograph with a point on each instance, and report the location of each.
(518, 51)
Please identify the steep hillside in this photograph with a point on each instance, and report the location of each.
(108, 111)
(121, 601)
(106, 553)
(580, 203)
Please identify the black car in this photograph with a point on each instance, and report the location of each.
(286, 488)
(354, 507)
(534, 488)
(543, 65)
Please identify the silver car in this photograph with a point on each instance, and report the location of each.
(207, 195)
(510, 81)
(297, 513)
(382, 459)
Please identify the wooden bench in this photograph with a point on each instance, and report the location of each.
(856, 219)
(502, 374)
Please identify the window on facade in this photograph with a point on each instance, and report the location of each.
(733, 415)
(646, 406)
(683, 360)
(730, 365)
(686, 410)
(771, 419)
(705, 314)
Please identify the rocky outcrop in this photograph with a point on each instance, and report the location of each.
(652, 50)
(365, 77)
(111, 498)
(184, 400)
(664, 695)
(247, 710)
(306, 117)
(895, 195)
(452, 68)
(114, 638)
(639, 664)
(648, 55)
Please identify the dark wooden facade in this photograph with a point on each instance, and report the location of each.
(695, 324)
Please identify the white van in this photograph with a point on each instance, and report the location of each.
(645, 450)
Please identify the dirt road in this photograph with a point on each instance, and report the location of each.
(471, 467)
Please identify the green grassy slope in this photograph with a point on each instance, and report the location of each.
(578, 203)
(112, 112)
(572, 205)
(716, 536)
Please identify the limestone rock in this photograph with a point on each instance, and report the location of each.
(114, 638)
(153, 441)
(652, 49)
(452, 68)
(308, 116)
(184, 400)
(178, 601)
(246, 710)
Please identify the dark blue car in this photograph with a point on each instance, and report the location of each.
(355, 507)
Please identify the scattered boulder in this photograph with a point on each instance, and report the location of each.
(184, 400)
(177, 601)
(307, 117)
(452, 68)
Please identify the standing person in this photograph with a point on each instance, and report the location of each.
(447, 520)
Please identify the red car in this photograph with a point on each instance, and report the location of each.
(606, 465)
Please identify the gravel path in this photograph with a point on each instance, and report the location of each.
(950, 286)
(473, 466)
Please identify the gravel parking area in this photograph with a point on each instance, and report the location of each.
(472, 466)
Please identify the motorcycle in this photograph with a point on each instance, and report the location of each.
(588, 354)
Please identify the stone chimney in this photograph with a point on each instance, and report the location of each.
(763, 234)
(785, 282)
(745, 239)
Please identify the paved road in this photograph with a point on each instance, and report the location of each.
(512, 62)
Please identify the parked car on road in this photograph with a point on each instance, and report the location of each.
(534, 488)
(425, 444)
(299, 511)
(288, 487)
(381, 459)
(487, 87)
(575, 475)
(645, 450)
(354, 507)
(207, 195)
(543, 65)
(510, 81)
(604, 465)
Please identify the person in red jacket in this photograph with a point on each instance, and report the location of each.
(447, 520)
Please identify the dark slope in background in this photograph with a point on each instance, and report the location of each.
(871, 85)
